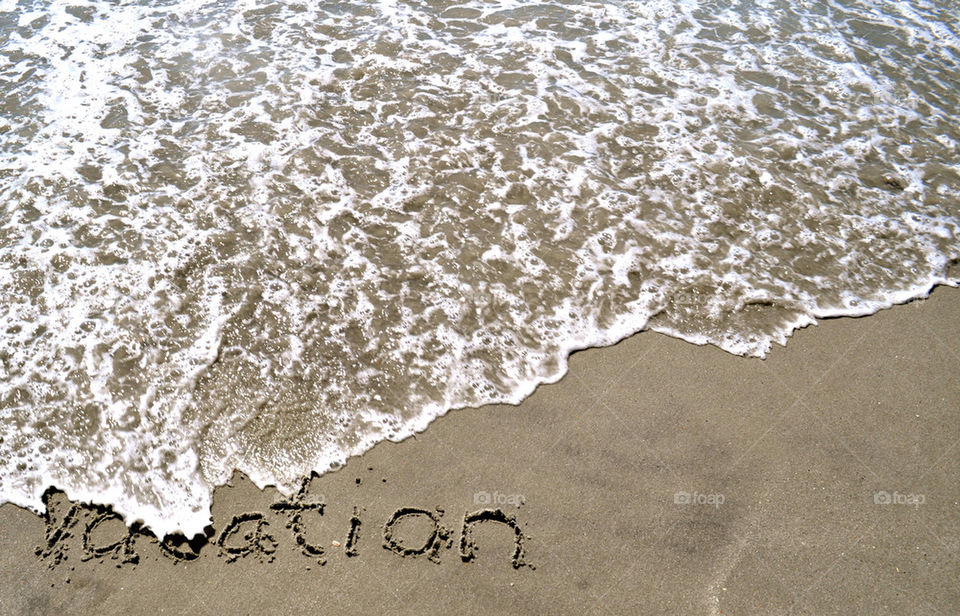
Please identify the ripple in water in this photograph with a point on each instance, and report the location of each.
(264, 236)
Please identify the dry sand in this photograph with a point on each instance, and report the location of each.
(783, 461)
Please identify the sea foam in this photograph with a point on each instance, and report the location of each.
(266, 235)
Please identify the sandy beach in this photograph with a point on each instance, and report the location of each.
(241, 242)
(657, 477)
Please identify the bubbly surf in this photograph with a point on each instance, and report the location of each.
(266, 235)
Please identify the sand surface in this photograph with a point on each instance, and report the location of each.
(786, 463)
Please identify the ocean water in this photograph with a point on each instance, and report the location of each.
(266, 235)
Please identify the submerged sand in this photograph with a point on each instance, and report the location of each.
(657, 477)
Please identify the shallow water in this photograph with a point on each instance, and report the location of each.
(264, 236)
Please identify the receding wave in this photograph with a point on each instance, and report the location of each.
(266, 235)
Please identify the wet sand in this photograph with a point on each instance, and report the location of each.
(657, 477)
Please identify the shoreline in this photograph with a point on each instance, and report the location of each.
(657, 476)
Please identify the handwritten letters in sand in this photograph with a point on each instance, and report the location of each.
(92, 532)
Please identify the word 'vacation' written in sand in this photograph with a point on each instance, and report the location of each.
(254, 535)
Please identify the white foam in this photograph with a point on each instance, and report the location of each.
(266, 237)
